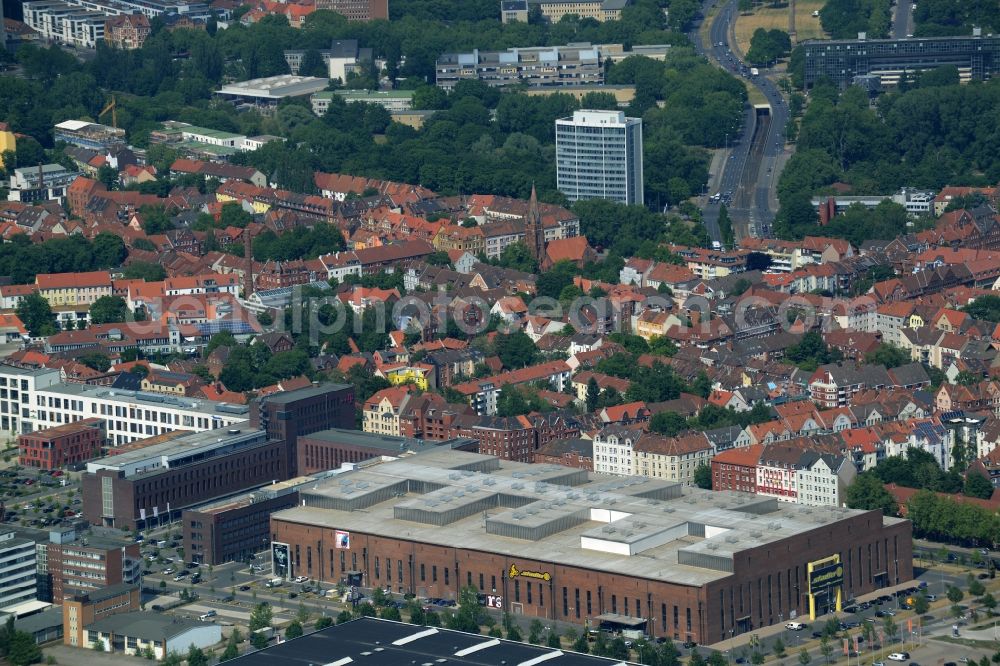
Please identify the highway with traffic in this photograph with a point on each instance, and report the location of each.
(753, 162)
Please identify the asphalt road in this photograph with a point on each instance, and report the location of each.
(902, 19)
(750, 168)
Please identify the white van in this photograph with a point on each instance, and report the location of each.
(795, 626)
(206, 616)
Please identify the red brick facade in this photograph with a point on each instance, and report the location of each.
(767, 582)
(55, 448)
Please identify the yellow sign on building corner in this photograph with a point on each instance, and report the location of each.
(825, 578)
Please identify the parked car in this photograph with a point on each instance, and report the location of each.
(898, 656)
(794, 626)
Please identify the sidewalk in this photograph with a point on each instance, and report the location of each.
(775, 629)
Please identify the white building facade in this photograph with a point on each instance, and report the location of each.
(599, 156)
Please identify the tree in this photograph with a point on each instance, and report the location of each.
(391, 613)
(294, 629)
(920, 604)
(323, 621)
(258, 640)
(142, 270)
(985, 307)
(778, 648)
(96, 361)
(703, 476)
(581, 644)
(535, 632)
(196, 657)
(988, 601)
(867, 491)
(109, 310)
(312, 65)
(804, 657)
(976, 587)
(593, 392)
(888, 355)
(36, 315)
(825, 648)
(22, 649)
(261, 616)
(553, 641)
(344, 616)
(977, 485)
(232, 648)
(955, 594)
(516, 350)
(668, 423)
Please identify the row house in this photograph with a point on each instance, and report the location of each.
(382, 411)
(671, 458)
(613, 450)
(736, 469)
(792, 474)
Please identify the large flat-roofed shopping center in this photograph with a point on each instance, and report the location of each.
(565, 544)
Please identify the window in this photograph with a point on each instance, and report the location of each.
(434, 573)
(423, 576)
(517, 591)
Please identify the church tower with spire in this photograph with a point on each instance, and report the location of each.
(534, 235)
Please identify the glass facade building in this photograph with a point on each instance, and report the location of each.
(599, 156)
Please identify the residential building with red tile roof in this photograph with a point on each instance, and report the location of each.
(736, 469)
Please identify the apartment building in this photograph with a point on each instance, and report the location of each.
(736, 469)
(46, 182)
(73, 288)
(671, 458)
(65, 22)
(613, 450)
(382, 411)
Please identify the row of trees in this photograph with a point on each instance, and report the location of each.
(22, 260)
(768, 45)
(844, 19)
(940, 134)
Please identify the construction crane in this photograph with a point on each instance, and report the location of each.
(113, 108)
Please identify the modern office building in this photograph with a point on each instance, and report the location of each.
(288, 415)
(977, 58)
(144, 487)
(576, 64)
(36, 399)
(92, 136)
(561, 544)
(86, 564)
(17, 569)
(58, 447)
(599, 156)
(236, 528)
